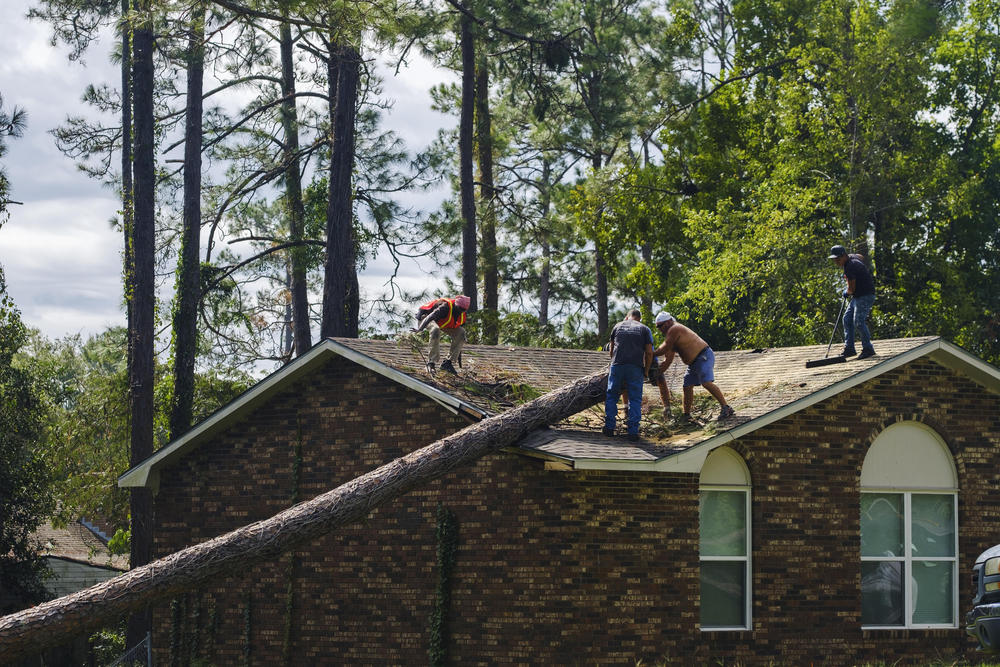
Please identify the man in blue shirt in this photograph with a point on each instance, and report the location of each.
(861, 289)
(631, 349)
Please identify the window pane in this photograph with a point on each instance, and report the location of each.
(723, 523)
(932, 592)
(933, 525)
(882, 593)
(881, 524)
(723, 594)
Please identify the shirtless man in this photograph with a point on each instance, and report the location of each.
(698, 356)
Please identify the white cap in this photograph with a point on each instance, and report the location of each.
(663, 317)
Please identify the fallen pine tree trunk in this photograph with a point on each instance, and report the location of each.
(56, 622)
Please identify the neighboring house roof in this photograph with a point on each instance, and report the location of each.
(763, 385)
(79, 544)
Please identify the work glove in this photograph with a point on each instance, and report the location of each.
(653, 375)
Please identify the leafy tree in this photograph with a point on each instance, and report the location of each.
(85, 386)
(25, 498)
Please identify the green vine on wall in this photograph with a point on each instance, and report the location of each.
(446, 531)
(247, 628)
(292, 560)
(213, 625)
(176, 624)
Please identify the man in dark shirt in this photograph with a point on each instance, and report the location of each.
(861, 289)
(631, 349)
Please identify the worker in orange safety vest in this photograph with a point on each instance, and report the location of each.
(446, 315)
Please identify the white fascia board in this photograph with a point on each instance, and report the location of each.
(691, 459)
(447, 401)
(955, 358)
(145, 473)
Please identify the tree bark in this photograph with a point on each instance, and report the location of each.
(487, 195)
(466, 185)
(52, 622)
(127, 194)
(340, 298)
(601, 296)
(646, 301)
(188, 270)
(141, 295)
(302, 334)
(544, 277)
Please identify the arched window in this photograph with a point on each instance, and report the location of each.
(724, 545)
(909, 531)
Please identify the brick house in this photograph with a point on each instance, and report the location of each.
(835, 520)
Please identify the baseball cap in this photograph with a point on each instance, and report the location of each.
(663, 317)
(837, 251)
(463, 302)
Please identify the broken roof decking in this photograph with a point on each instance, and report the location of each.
(762, 385)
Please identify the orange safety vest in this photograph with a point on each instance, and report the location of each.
(451, 322)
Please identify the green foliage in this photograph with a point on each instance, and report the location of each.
(121, 542)
(107, 645)
(25, 479)
(446, 532)
(84, 388)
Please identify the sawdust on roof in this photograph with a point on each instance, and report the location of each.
(754, 382)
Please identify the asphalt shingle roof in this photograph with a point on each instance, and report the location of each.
(755, 383)
(77, 543)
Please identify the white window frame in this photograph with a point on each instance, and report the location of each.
(746, 559)
(907, 559)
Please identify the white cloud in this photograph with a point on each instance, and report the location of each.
(62, 262)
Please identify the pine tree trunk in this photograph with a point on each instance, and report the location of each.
(466, 185)
(127, 194)
(544, 277)
(601, 295)
(302, 334)
(141, 295)
(188, 274)
(487, 195)
(51, 623)
(646, 301)
(340, 298)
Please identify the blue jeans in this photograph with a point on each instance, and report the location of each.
(856, 319)
(628, 377)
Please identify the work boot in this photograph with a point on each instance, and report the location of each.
(446, 366)
(609, 432)
(727, 412)
(429, 368)
(633, 437)
(848, 352)
(870, 352)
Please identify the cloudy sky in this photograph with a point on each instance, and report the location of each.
(61, 257)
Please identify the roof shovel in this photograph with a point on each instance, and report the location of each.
(827, 360)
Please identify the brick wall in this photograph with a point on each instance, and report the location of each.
(552, 566)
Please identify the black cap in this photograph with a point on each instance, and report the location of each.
(837, 251)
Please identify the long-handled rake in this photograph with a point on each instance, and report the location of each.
(827, 360)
